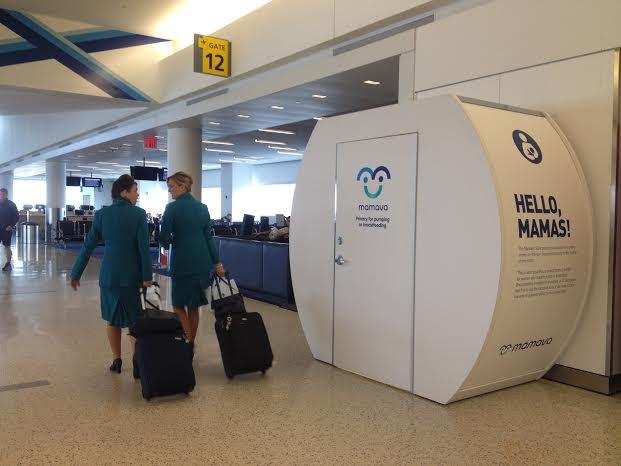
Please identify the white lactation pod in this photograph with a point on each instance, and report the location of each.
(443, 247)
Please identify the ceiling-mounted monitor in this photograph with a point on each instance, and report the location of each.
(73, 181)
(92, 182)
(145, 173)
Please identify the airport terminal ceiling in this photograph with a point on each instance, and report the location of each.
(232, 132)
(164, 18)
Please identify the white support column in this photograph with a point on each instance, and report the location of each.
(55, 184)
(6, 181)
(226, 189)
(185, 153)
(406, 77)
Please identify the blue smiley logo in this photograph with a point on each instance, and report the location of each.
(380, 174)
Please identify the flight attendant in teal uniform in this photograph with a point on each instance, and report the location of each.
(126, 265)
(186, 226)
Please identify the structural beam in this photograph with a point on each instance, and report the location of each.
(67, 53)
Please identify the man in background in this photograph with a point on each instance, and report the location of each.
(8, 219)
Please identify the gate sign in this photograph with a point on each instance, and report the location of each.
(212, 56)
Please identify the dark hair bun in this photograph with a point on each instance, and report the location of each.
(123, 183)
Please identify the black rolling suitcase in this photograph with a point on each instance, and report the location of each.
(163, 359)
(244, 343)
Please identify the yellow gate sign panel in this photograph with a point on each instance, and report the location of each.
(212, 56)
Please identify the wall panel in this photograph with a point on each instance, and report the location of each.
(507, 35)
(350, 15)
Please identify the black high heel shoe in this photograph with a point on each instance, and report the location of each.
(116, 365)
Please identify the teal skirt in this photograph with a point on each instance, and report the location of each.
(120, 307)
(189, 291)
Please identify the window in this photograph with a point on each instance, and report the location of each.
(75, 196)
(153, 196)
(258, 200)
(30, 192)
(34, 192)
(211, 198)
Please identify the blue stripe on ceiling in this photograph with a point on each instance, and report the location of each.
(10, 46)
(20, 51)
(60, 48)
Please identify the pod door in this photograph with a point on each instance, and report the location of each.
(374, 258)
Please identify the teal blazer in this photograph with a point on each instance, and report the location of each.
(126, 262)
(186, 226)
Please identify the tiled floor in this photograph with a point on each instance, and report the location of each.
(302, 412)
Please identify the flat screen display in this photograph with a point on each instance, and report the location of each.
(92, 182)
(74, 181)
(163, 174)
(145, 173)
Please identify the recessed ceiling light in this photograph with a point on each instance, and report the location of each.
(289, 153)
(286, 148)
(241, 115)
(113, 148)
(106, 163)
(298, 102)
(127, 145)
(276, 131)
(318, 118)
(371, 82)
(163, 150)
(159, 137)
(220, 143)
(277, 107)
(220, 150)
(216, 123)
(263, 141)
(319, 96)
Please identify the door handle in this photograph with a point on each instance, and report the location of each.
(340, 260)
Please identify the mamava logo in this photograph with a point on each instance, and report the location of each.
(366, 175)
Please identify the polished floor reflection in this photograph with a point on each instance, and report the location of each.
(302, 412)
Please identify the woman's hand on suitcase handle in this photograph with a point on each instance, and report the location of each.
(220, 271)
(75, 283)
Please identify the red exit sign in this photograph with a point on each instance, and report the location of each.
(150, 142)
